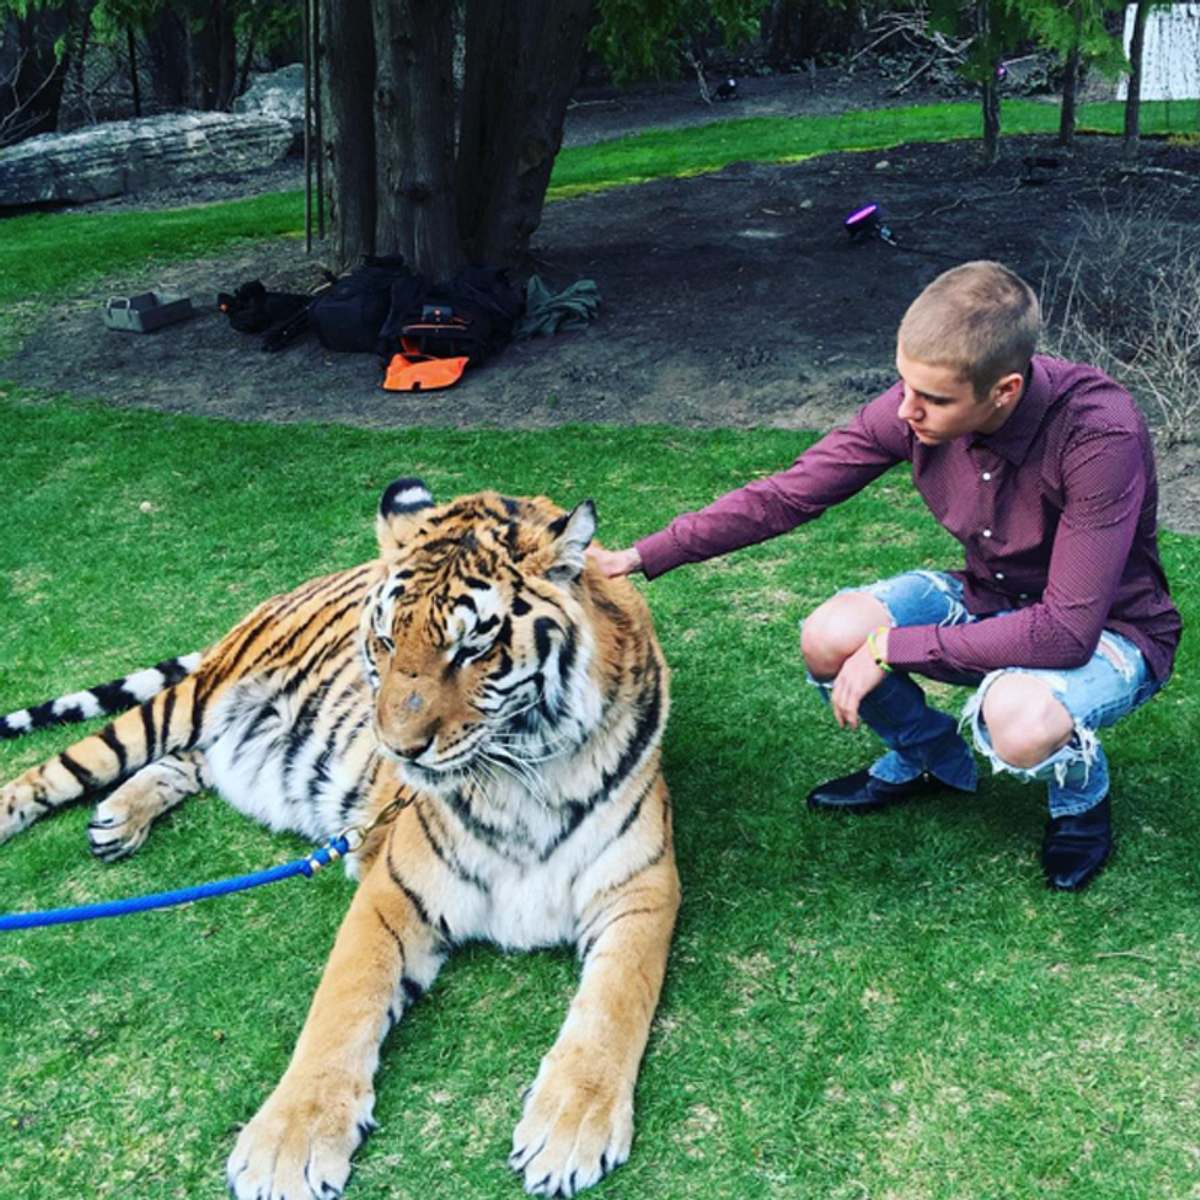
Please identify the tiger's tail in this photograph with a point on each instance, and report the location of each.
(105, 700)
(168, 722)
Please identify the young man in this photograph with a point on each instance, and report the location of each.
(1061, 619)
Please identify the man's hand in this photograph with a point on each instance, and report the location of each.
(615, 562)
(859, 675)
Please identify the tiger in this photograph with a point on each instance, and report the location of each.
(483, 683)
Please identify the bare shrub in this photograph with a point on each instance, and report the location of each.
(1125, 297)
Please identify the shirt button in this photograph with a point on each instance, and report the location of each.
(999, 574)
(987, 533)
(986, 476)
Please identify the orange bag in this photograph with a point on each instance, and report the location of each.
(409, 372)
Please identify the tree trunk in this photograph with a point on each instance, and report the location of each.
(212, 58)
(81, 49)
(780, 31)
(522, 60)
(202, 58)
(990, 94)
(226, 55)
(414, 134)
(1066, 115)
(796, 31)
(251, 47)
(170, 75)
(1133, 102)
(394, 185)
(347, 101)
(135, 85)
(991, 121)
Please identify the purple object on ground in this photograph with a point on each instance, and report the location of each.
(861, 218)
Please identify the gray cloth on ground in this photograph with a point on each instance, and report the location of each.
(547, 313)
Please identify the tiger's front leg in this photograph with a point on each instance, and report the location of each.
(577, 1123)
(122, 820)
(300, 1142)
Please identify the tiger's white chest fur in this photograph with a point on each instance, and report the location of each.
(294, 761)
(534, 871)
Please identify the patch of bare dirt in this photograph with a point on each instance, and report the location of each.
(729, 299)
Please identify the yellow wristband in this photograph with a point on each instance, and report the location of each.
(873, 646)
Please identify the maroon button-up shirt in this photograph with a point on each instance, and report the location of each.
(1056, 512)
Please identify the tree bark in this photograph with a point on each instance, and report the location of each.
(990, 94)
(522, 61)
(134, 84)
(1066, 115)
(395, 185)
(347, 101)
(414, 134)
(1133, 102)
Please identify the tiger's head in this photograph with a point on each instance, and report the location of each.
(474, 641)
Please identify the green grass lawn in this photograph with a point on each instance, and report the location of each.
(887, 1007)
(657, 153)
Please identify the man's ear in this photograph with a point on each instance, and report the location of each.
(1006, 391)
(573, 533)
(400, 506)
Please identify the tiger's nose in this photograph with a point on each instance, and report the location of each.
(413, 752)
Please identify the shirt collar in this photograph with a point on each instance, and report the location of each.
(1013, 439)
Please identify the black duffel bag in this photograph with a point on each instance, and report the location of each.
(350, 314)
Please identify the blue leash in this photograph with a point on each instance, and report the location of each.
(334, 849)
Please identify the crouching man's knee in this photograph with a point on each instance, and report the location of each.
(1025, 722)
(836, 629)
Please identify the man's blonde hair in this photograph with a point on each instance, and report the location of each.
(979, 319)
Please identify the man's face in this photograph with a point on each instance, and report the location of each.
(940, 405)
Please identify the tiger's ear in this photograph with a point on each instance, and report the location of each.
(572, 533)
(401, 502)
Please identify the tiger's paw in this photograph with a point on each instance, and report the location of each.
(120, 824)
(575, 1128)
(299, 1149)
(19, 808)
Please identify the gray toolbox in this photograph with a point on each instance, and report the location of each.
(146, 311)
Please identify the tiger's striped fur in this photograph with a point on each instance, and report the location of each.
(482, 669)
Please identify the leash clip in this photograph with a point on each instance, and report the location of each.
(353, 836)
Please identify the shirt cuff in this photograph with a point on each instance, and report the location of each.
(911, 647)
(659, 553)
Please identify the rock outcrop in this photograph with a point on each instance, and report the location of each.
(132, 156)
(278, 94)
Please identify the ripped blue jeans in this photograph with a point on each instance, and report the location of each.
(921, 739)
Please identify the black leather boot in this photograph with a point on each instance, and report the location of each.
(1075, 848)
(862, 792)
